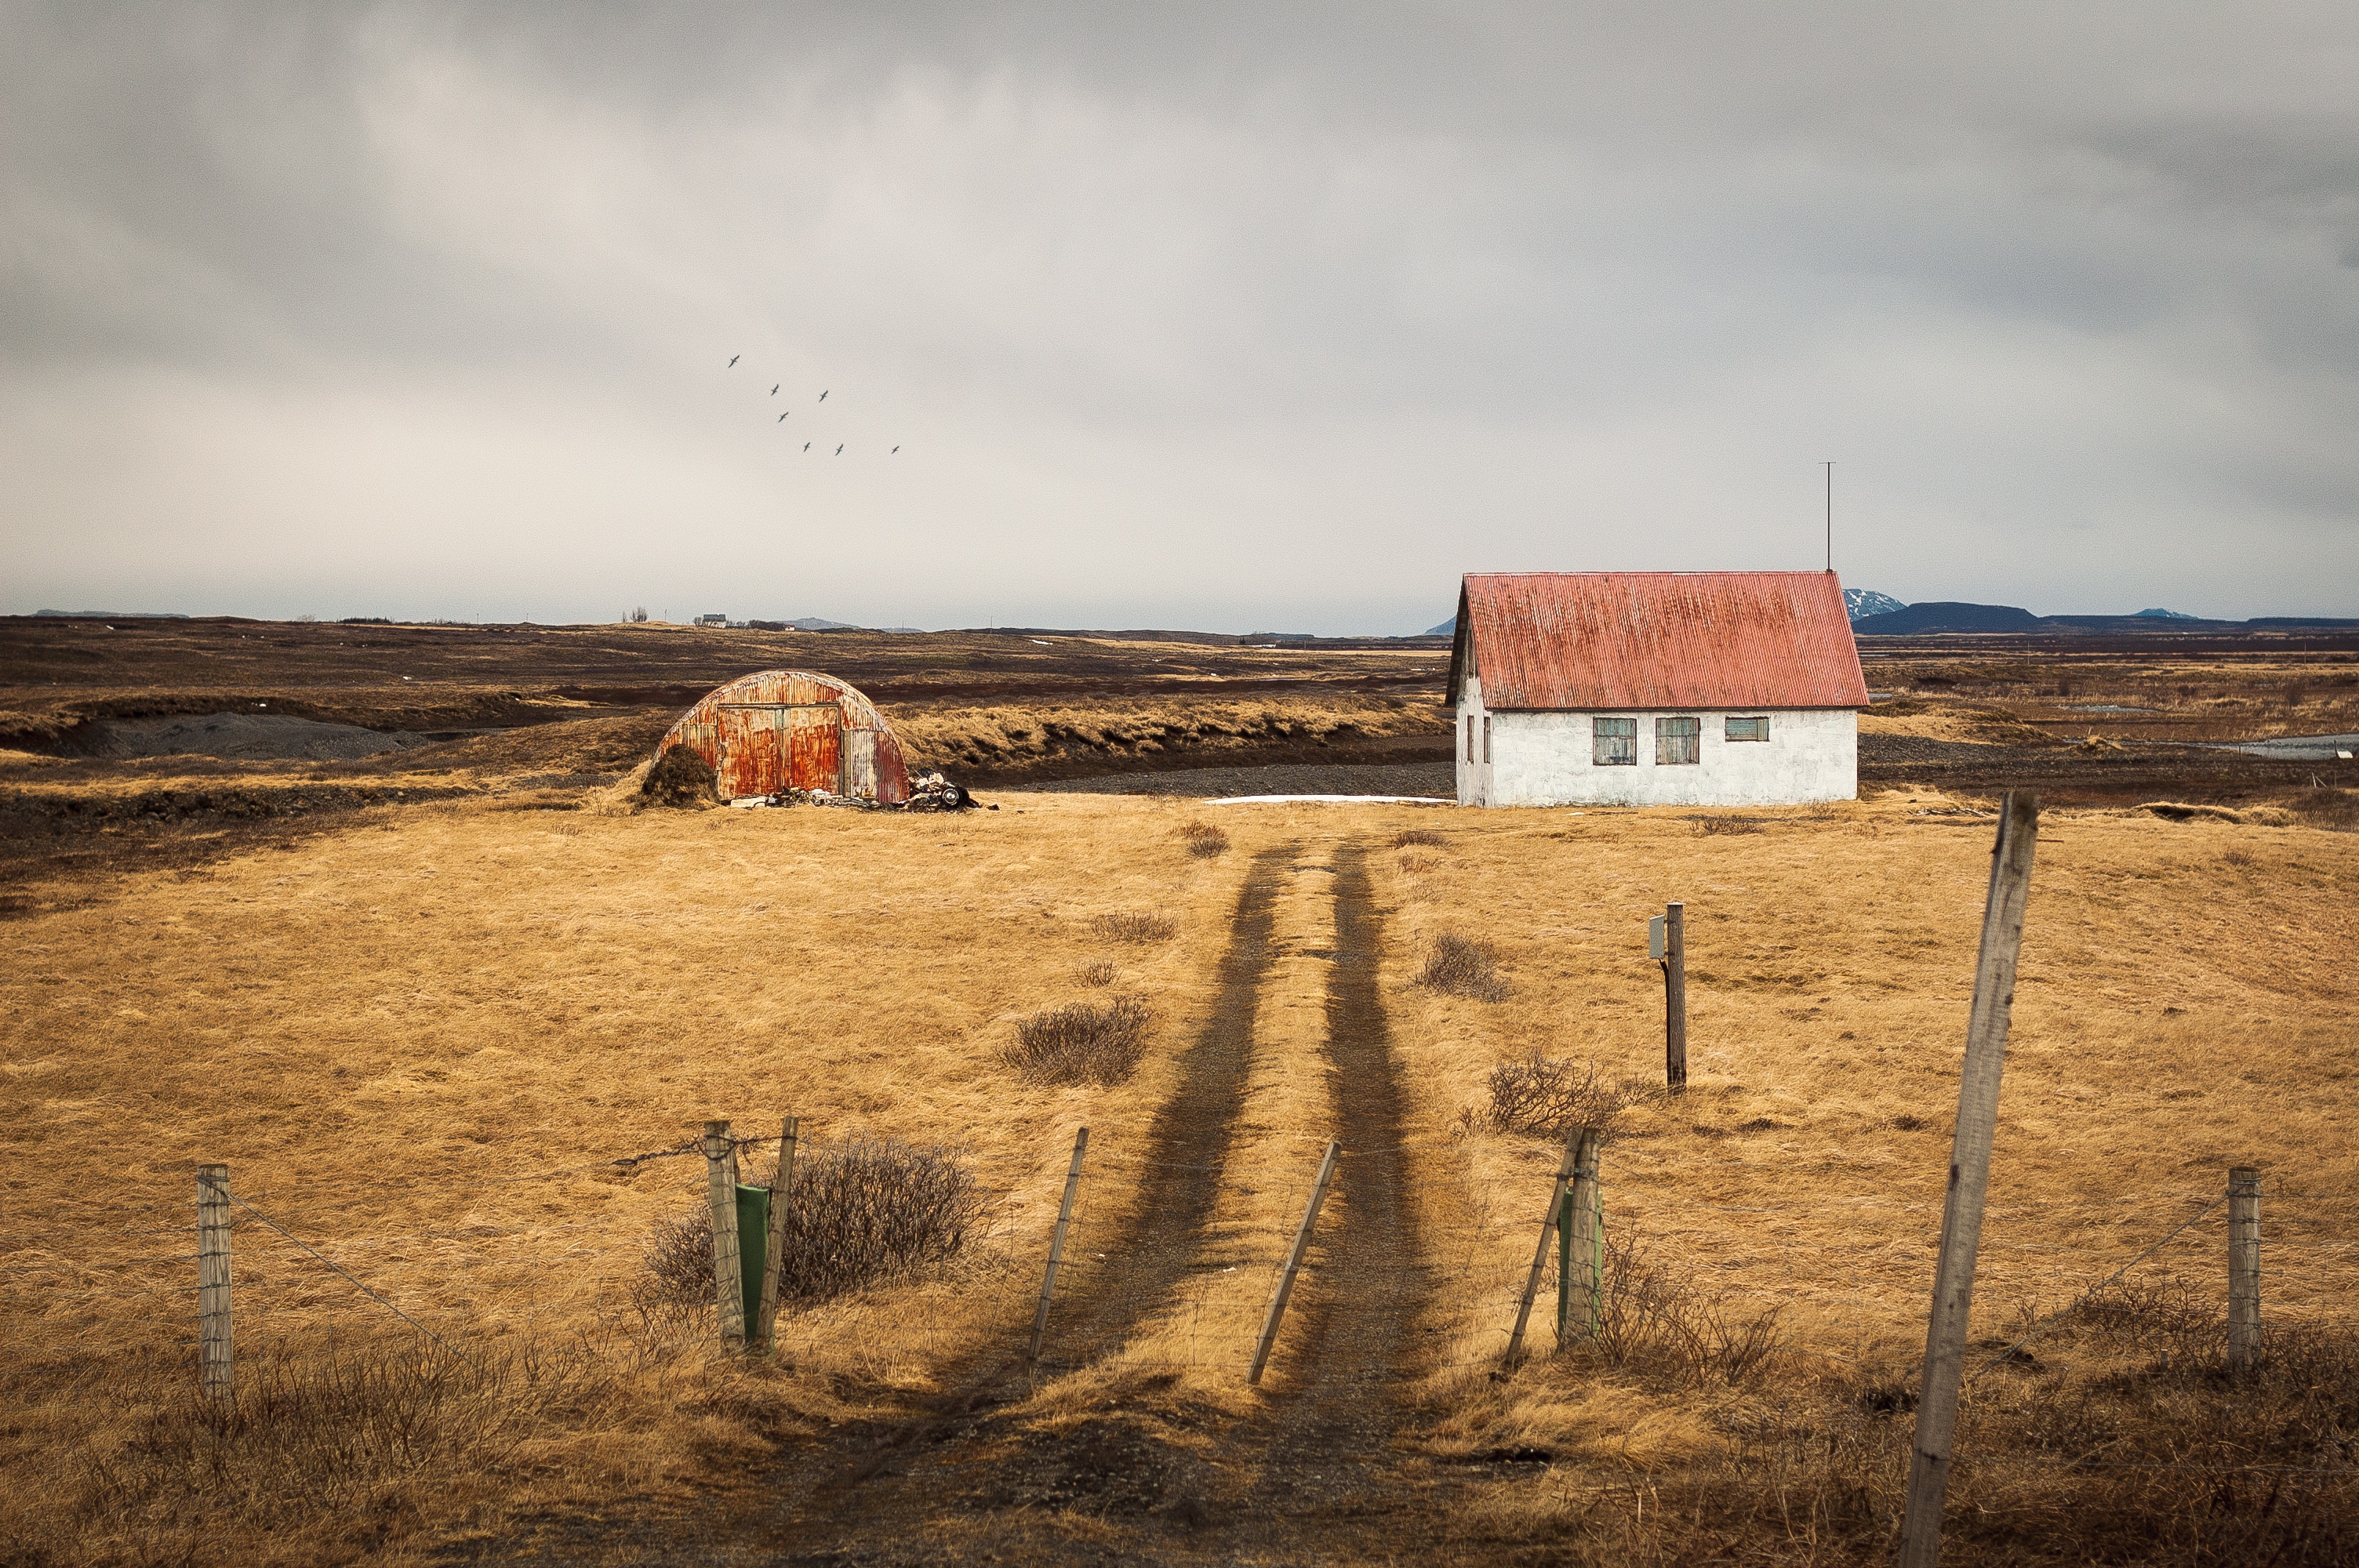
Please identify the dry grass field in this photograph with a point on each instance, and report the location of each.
(421, 1034)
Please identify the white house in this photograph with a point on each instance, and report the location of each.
(1654, 688)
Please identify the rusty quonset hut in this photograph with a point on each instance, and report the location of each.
(782, 730)
(1654, 688)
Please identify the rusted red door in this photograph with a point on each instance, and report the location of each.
(814, 737)
(753, 761)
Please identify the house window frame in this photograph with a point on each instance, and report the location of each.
(1486, 740)
(1757, 723)
(1669, 741)
(1621, 737)
(1470, 737)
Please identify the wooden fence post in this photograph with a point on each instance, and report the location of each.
(782, 1183)
(1581, 1257)
(1056, 1246)
(1970, 1152)
(728, 1267)
(1675, 996)
(215, 1367)
(1293, 1263)
(1539, 1250)
(2243, 1267)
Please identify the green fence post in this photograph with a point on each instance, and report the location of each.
(752, 1248)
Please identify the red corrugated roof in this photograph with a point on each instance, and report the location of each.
(1656, 639)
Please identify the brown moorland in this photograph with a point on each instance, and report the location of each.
(421, 1036)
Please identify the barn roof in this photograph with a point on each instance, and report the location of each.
(1656, 639)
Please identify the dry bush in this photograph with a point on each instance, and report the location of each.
(2336, 810)
(1414, 837)
(1098, 972)
(1659, 1324)
(1460, 966)
(1548, 1097)
(1204, 841)
(863, 1213)
(1135, 925)
(1718, 825)
(2237, 858)
(680, 777)
(1081, 1043)
(362, 1433)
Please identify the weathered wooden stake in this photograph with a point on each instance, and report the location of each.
(214, 1364)
(1057, 1245)
(1294, 1262)
(782, 1183)
(1675, 995)
(1581, 1260)
(2243, 1267)
(1540, 1249)
(1970, 1152)
(728, 1267)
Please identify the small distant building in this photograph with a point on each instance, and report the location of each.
(782, 730)
(1654, 688)
(715, 620)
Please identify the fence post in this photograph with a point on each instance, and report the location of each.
(1581, 1257)
(782, 1180)
(2243, 1267)
(1539, 1250)
(214, 1365)
(1056, 1246)
(1970, 1152)
(728, 1267)
(1293, 1263)
(1675, 995)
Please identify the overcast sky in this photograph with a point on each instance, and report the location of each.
(1267, 317)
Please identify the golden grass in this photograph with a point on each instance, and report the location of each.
(415, 1040)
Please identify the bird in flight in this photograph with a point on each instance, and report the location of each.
(807, 446)
(839, 451)
(734, 359)
(822, 397)
(774, 391)
(782, 418)
(895, 450)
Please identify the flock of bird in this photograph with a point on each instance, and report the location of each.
(782, 416)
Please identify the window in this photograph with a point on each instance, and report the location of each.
(1486, 738)
(1470, 737)
(1613, 742)
(1678, 742)
(1748, 728)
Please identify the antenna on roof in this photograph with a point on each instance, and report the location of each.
(1831, 514)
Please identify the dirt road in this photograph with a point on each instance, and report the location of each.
(1311, 1476)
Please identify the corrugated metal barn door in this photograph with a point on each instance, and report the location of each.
(767, 747)
(860, 762)
(815, 747)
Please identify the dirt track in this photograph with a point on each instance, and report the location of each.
(1311, 1478)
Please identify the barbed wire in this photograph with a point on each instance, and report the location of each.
(331, 1263)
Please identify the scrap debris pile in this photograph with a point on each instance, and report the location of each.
(930, 792)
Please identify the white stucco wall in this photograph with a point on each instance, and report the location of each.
(1544, 759)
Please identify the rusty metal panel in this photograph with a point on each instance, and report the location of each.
(780, 729)
(1607, 640)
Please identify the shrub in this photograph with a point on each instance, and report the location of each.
(680, 777)
(864, 1213)
(1133, 925)
(1463, 968)
(1548, 1097)
(1719, 825)
(1659, 1324)
(1081, 1043)
(1411, 837)
(1098, 972)
(1204, 841)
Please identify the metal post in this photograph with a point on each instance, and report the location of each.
(214, 1365)
(2243, 1267)
(728, 1265)
(1056, 1246)
(1970, 1153)
(1675, 995)
(1294, 1262)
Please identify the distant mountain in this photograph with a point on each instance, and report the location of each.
(1861, 602)
(2165, 615)
(1447, 629)
(1918, 619)
(112, 614)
